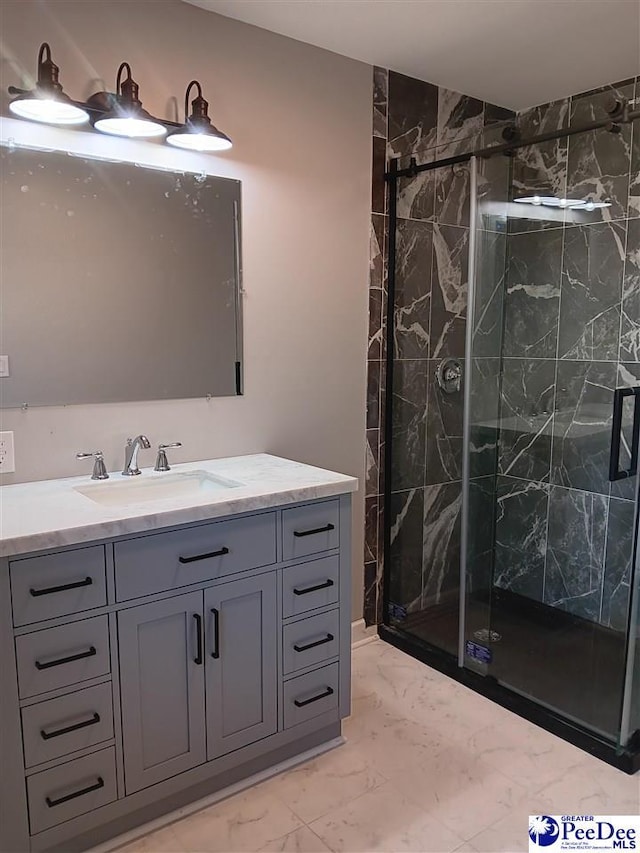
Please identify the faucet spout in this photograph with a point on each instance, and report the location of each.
(131, 454)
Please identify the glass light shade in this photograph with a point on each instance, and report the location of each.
(49, 110)
(130, 126)
(199, 141)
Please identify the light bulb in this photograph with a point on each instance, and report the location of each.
(131, 127)
(49, 110)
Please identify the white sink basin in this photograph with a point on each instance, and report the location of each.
(145, 488)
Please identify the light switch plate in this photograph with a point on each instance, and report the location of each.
(4, 365)
(7, 455)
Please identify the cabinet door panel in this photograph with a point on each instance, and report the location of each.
(162, 690)
(242, 678)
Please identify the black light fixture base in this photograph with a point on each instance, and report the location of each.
(627, 760)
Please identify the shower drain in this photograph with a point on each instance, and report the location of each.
(486, 635)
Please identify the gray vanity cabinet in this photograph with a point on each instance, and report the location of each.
(162, 689)
(241, 663)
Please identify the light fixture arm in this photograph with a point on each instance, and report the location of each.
(186, 97)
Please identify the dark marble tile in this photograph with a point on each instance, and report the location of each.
(489, 293)
(377, 284)
(441, 543)
(617, 566)
(532, 299)
(628, 376)
(372, 455)
(484, 375)
(592, 271)
(540, 169)
(414, 249)
(453, 184)
(634, 184)
(521, 536)
(494, 187)
(599, 161)
(409, 419)
(416, 195)
(449, 290)
(459, 116)
(582, 425)
(494, 114)
(370, 594)
(575, 551)
(482, 519)
(444, 431)
(413, 115)
(630, 326)
(378, 184)
(380, 100)
(405, 571)
(526, 418)
(373, 394)
(370, 529)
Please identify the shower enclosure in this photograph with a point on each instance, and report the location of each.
(512, 420)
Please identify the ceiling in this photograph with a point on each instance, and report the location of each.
(515, 53)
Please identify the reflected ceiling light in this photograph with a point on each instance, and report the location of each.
(47, 102)
(122, 113)
(564, 203)
(197, 133)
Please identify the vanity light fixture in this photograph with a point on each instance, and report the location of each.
(124, 115)
(47, 102)
(197, 133)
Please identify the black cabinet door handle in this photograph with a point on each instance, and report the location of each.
(90, 652)
(74, 728)
(315, 588)
(49, 590)
(324, 529)
(619, 396)
(197, 557)
(308, 646)
(216, 633)
(99, 784)
(198, 658)
(327, 692)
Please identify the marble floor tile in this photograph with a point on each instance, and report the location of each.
(384, 820)
(507, 835)
(315, 788)
(301, 840)
(592, 787)
(245, 822)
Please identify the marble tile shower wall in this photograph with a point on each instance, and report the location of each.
(415, 118)
(571, 335)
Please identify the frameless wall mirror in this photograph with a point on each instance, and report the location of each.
(117, 282)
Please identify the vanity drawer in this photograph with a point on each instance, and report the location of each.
(57, 584)
(71, 789)
(66, 724)
(310, 585)
(57, 657)
(311, 641)
(171, 560)
(310, 529)
(310, 695)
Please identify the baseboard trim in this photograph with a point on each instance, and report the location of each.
(218, 796)
(361, 634)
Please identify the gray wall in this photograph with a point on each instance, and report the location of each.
(300, 119)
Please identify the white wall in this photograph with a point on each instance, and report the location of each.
(301, 125)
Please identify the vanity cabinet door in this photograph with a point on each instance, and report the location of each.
(241, 671)
(161, 648)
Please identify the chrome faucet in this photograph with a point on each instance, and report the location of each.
(131, 454)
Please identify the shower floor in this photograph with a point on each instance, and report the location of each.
(565, 663)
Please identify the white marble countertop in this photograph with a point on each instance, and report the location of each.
(53, 513)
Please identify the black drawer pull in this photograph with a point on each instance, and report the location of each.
(198, 658)
(324, 640)
(327, 692)
(74, 728)
(197, 557)
(315, 588)
(216, 633)
(91, 651)
(324, 529)
(99, 784)
(63, 588)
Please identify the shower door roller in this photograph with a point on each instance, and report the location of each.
(449, 375)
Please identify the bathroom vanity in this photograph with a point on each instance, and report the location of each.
(164, 639)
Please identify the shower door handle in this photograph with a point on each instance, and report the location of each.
(619, 396)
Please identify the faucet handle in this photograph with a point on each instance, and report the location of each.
(162, 463)
(99, 469)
